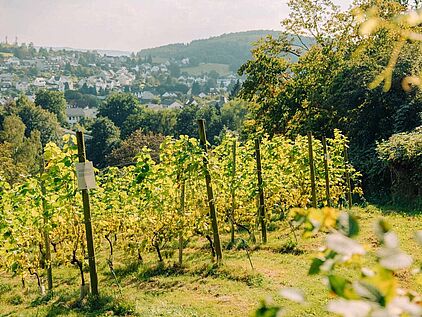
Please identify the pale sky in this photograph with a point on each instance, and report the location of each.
(131, 25)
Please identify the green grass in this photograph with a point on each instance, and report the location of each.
(202, 289)
(201, 69)
(159, 60)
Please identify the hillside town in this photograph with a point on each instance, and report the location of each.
(158, 84)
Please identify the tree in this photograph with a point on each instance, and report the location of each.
(234, 91)
(53, 101)
(174, 70)
(233, 114)
(118, 106)
(211, 83)
(38, 119)
(196, 89)
(158, 122)
(20, 155)
(129, 148)
(213, 122)
(105, 137)
(186, 121)
(402, 154)
(327, 85)
(84, 89)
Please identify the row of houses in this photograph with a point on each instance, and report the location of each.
(76, 115)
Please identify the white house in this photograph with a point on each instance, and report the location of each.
(39, 82)
(74, 115)
(22, 86)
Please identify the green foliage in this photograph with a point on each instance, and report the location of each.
(80, 100)
(19, 153)
(54, 102)
(186, 120)
(118, 107)
(233, 114)
(327, 86)
(105, 138)
(129, 148)
(37, 119)
(230, 49)
(402, 153)
(376, 291)
(141, 207)
(150, 121)
(402, 148)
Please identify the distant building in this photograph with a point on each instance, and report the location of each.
(147, 96)
(13, 61)
(75, 115)
(175, 105)
(22, 86)
(169, 95)
(39, 82)
(191, 101)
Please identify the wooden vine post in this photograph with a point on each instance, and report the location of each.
(261, 208)
(87, 220)
(46, 235)
(233, 191)
(47, 242)
(312, 170)
(327, 176)
(213, 213)
(181, 212)
(348, 183)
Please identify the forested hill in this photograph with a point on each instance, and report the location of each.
(232, 49)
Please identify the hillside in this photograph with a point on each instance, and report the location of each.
(201, 289)
(232, 49)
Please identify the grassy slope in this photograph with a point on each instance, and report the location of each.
(201, 290)
(201, 69)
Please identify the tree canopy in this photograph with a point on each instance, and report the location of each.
(328, 85)
(118, 106)
(54, 102)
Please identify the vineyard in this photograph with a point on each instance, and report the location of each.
(240, 189)
(265, 217)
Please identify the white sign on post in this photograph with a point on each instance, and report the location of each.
(85, 175)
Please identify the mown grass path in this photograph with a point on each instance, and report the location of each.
(201, 289)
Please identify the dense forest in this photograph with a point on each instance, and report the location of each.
(232, 49)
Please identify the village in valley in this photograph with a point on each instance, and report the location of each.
(87, 77)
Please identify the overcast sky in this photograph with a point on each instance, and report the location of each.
(134, 24)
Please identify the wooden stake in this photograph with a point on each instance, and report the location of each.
(327, 177)
(233, 192)
(261, 206)
(87, 220)
(213, 213)
(348, 183)
(181, 212)
(312, 169)
(45, 231)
